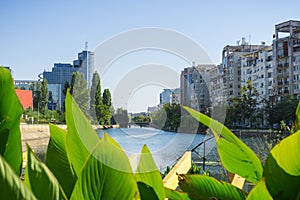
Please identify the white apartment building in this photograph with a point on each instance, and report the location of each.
(216, 89)
(257, 66)
(232, 62)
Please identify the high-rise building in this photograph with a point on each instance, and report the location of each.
(257, 66)
(175, 96)
(85, 64)
(60, 73)
(231, 61)
(165, 96)
(194, 87)
(216, 90)
(286, 51)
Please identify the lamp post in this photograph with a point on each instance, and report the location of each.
(38, 112)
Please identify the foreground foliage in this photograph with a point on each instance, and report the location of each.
(79, 165)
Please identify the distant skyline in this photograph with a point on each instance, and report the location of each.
(37, 34)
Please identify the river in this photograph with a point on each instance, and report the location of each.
(166, 147)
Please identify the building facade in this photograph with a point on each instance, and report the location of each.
(194, 87)
(257, 66)
(85, 65)
(175, 96)
(25, 97)
(286, 51)
(57, 77)
(216, 87)
(232, 62)
(165, 96)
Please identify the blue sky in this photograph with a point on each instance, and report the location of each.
(36, 34)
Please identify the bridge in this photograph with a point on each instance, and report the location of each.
(140, 124)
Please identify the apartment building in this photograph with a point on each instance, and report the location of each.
(232, 62)
(286, 51)
(194, 87)
(257, 66)
(216, 90)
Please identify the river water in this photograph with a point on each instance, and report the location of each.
(166, 147)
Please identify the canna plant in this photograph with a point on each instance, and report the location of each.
(278, 179)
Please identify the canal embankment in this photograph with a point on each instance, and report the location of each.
(37, 135)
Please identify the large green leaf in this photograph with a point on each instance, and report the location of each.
(148, 173)
(176, 195)
(107, 174)
(242, 160)
(296, 125)
(81, 137)
(40, 179)
(205, 188)
(146, 192)
(282, 169)
(11, 186)
(10, 114)
(259, 192)
(57, 160)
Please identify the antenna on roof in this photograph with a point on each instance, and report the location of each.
(86, 45)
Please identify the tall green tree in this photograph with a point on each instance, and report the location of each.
(44, 95)
(66, 87)
(98, 105)
(105, 110)
(107, 97)
(40, 95)
(95, 96)
(79, 91)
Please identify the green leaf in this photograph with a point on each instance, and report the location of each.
(146, 192)
(10, 115)
(11, 186)
(282, 169)
(107, 174)
(174, 195)
(296, 125)
(246, 164)
(81, 137)
(57, 159)
(40, 179)
(148, 173)
(259, 192)
(206, 188)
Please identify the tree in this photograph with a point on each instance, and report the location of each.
(79, 91)
(106, 97)
(105, 109)
(284, 110)
(66, 87)
(40, 95)
(243, 109)
(44, 96)
(121, 117)
(248, 102)
(95, 96)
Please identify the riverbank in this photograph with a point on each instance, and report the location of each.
(258, 132)
(37, 135)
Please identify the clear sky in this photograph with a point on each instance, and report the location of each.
(35, 34)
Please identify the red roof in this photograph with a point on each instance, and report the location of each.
(25, 97)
